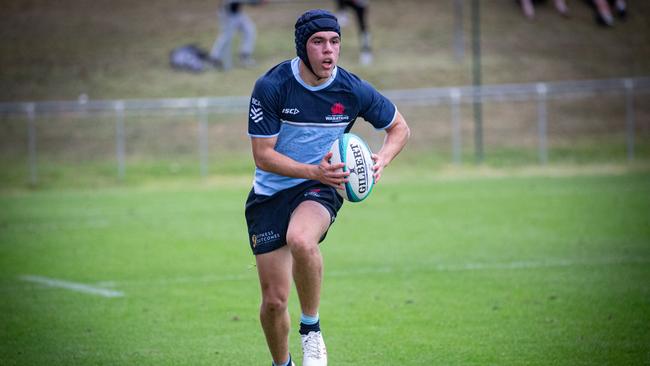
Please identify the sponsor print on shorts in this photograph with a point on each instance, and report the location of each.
(315, 192)
(263, 238)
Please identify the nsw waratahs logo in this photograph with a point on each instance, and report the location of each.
(337, 110)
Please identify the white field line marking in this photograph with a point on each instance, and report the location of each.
(423, 267)
(79, 287)
(463, 267)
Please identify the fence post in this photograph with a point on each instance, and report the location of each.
(30, 108)
(459, 42)
(542, 122)
(477, 80)
(629, 117)
(203, 136)
(120, 143)
(456, 135)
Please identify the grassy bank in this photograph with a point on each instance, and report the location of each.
(119, 49)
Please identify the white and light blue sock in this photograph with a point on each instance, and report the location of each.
(288, 363)
(309, 324)
(308, 319)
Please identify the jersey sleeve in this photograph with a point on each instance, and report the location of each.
(375, 108)
(263, 118)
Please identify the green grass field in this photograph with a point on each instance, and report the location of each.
(456, 270)
(502, 263)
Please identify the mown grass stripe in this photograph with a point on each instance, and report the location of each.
(73, 286)
(440, 267)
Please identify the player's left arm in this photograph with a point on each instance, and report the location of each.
(397, 134)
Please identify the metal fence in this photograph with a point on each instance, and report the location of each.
(454, 97)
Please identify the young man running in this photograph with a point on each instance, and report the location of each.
(297, 110)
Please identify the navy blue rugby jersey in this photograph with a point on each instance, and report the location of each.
(307, 119)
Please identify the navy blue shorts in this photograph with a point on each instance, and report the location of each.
(268, 216)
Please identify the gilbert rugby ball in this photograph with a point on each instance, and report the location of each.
(353, 151)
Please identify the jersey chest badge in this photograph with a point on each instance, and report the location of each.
(337, 111)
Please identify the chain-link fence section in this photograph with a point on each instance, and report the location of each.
(596, 120)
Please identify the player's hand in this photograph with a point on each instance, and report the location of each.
(331, 174)
(378, 168)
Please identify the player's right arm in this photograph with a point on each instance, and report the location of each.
(268, 159)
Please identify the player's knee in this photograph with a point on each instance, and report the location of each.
(274, 304)
(302, 245)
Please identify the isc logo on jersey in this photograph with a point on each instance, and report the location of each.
(353, 151)
(292, 111)
(256, 110)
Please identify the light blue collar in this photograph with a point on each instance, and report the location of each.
(295, 67)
